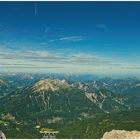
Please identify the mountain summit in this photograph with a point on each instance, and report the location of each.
(49, 85)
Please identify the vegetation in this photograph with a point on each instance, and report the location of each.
(96, 127)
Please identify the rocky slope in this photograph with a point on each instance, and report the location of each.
(49, 85)
(122, 134)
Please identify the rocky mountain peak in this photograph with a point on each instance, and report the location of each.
(49, 85)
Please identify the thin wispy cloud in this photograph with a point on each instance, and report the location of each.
(47, 29)
(101, 26)
(67, 39)
(71, 38)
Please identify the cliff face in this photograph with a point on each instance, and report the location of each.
(121, 134)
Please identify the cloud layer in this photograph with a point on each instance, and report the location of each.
(46, 61)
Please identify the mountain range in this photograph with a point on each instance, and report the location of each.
(54, 102)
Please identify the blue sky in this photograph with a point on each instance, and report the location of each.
(70, 37)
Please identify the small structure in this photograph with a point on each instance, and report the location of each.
(48, 133)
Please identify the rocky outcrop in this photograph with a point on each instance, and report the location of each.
(2, 135)
(122, 134)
